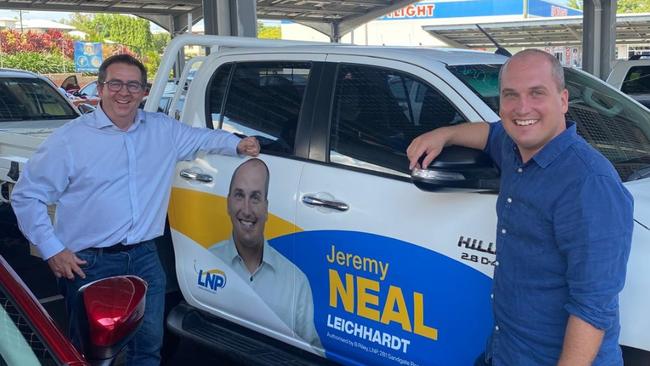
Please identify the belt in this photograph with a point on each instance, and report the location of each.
(118, 248)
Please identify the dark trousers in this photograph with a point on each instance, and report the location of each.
(141, 261)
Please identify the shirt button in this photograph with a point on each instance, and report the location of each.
(519, 170)
(509, 200)
(491, 296)
(503, 231)
(496, 327)
(496, 263)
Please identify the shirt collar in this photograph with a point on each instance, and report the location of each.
(100, 120)
(270, 256)
(556, 146)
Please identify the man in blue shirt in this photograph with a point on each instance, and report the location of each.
(564, 223)
(109, 173)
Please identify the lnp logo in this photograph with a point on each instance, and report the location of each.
(211, 280)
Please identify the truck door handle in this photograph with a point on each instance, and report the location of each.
(189, 174)
(334, 205)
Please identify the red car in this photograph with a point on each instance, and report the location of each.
(112, 308)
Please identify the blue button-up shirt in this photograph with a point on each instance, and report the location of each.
(563, 239)
(109, 186)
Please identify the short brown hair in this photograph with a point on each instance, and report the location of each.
(122, 59)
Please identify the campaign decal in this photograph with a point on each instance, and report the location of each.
(389, 302)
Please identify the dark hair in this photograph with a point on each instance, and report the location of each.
(258, 162)
(557, 71)
(122, 59)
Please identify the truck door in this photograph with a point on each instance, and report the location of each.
(219, 206)
(398, 274)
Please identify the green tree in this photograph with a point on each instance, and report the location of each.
(160, 41)
(632, 6)
(622, 6)
(268, 32)
(575, 4)
(38, 62)
(130, 31)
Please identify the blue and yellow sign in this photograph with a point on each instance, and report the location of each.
(87, 56)
(389, 302)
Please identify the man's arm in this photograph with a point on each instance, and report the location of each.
(581, 343)
(42, 181)
(593, 224)
(472, 135)
(189, 140)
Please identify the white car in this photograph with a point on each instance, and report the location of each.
(31, 101)
(398, 275)
(31, 107)
(632, 77)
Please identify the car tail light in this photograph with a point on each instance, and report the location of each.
(36, 315)
(114, 308)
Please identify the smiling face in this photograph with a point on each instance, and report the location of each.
(532, 104)
(248, 205)
(121, 106)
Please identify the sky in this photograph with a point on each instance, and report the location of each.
(49, 15)
(57, 16)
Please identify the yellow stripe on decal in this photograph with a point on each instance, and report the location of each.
(203, 217)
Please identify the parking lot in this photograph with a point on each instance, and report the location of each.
(303, 221)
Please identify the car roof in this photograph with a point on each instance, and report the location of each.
(448, 56)
(14, 73)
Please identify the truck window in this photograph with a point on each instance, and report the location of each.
(216, 93)
(637, 80)
(264, 100)
(377, 112)
(607, 119)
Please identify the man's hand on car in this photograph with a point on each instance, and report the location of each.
(248, 146)
(429, 144)
(66, 264)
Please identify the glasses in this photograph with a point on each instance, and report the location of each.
(116, 86)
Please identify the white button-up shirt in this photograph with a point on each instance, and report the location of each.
(282, 285)
(109, 186)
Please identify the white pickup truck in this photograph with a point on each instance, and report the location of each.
(360, 266)
(632, 77)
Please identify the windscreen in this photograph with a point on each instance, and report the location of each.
(25, 99)
(609, 120)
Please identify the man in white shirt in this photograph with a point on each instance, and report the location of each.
(282, 285)
(109, 173)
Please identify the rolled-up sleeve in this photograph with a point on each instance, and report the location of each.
(594, 226)
(496, 139)
(41, 183)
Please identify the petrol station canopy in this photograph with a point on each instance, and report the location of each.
(538, 32)
(335, 18)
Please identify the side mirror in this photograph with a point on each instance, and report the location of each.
(458, 167)
(86, 108)
(109, 312)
